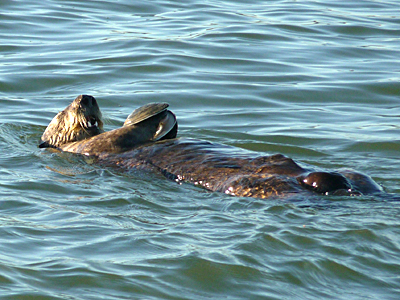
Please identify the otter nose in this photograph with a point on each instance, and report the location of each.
(88, 100)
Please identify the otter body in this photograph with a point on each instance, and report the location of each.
(216, 168)
(147, 142)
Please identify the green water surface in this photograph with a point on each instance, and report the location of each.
(315, 80)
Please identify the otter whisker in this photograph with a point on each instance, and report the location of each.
(83, 126)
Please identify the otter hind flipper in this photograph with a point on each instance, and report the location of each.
(325, 182)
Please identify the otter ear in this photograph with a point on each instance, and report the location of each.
(167, 128)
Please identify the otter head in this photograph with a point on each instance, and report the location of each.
(78, 121)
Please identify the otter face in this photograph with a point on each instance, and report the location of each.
(78, 121)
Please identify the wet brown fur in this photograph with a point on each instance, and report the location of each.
(71, 124)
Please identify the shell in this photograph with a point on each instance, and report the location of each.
(144, 112)
(165, 126)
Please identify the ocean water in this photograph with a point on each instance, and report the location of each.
(318, 81)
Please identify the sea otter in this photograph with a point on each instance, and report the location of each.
(147, 140)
